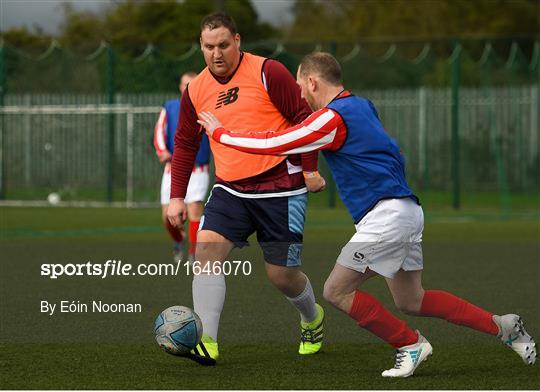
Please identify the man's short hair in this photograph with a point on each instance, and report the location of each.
(218, 19)
(323, 64)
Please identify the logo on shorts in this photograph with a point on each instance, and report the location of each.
(227, 97)
(358, 256)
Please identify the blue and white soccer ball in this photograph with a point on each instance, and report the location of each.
(178, 330)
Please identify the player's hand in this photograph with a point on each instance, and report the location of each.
(177, 212)
(314, 182)
(209, 122)
(164, 156)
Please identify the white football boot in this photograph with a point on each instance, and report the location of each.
(409, 357)
(513, 334)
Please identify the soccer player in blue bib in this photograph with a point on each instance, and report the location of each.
(369, 172)
(164, 132)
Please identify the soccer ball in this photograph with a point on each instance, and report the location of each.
(178, 330)
(53, 198)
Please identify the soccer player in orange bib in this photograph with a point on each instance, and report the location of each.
(266, 195)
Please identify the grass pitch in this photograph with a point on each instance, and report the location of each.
(490, 260)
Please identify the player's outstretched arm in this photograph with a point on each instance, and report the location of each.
(209, 122)
(323, 130)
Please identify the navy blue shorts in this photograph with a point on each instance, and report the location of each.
(278, 222)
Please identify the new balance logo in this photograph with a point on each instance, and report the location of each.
(227, 97)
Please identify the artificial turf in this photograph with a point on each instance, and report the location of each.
(491, 260)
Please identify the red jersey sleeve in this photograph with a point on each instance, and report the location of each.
(186, 144)
(323, 130)
(285, 95)
(160, 132)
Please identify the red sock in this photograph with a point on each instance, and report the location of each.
(175, 232)
(437, 303)
(193, 228)
(371, 315)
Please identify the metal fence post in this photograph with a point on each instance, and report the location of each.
(2, 128)
(496, 135)
(27, 142)
(456, 62)
(129, 159)
(111, 141)
(423, 143)
(538, 88)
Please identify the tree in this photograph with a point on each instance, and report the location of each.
(168, 25)
(81, 31)
(353, 20)
(247, 21)
(32, 42)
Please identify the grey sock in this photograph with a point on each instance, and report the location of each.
(208, 299)
(305, 303)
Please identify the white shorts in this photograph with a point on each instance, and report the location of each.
(387, 239)
(197, 186)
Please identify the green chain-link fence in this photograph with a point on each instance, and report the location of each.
(466, 114)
